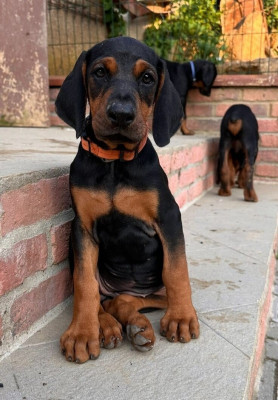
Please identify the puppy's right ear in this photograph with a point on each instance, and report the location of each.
(71, 100)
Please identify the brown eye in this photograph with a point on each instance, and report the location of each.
(100, 72)
(147, 78)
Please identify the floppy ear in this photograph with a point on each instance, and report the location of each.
(209, 74)
(71, 100)
(168, 110)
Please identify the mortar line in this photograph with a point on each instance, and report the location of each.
(223, 337)
(229, 308)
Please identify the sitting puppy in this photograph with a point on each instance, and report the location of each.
(238, 151)
(127, 239)
(184, 76)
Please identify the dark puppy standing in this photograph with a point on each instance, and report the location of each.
(238, 149)
(199, 73)
(127, 236)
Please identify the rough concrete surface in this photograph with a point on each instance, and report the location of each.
(25, 150)
(228, 245)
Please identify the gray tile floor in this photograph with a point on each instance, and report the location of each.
(228, 245)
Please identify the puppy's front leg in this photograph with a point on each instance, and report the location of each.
(81, 340)
(180, 322)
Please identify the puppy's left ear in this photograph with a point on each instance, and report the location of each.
(71, 100)
(168, 110)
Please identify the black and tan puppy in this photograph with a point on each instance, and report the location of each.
(238, 149)
(198, 73)
(127, 238)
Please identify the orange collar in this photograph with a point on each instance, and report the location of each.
(115, 154)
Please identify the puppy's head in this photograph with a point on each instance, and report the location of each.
(126, 85)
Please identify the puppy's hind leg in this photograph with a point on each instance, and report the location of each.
(249, 191)
(125, 308)
(224, 174)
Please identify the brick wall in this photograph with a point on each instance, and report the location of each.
(34, 275)
(260, 93)
(190, 168)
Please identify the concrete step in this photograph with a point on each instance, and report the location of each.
(231, 249)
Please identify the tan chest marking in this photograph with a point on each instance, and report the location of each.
(92, 204)
(139, 204)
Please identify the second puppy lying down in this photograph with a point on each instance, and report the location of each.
(198, 73)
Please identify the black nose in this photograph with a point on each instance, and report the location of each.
(121, 114)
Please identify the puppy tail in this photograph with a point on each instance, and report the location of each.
(235, 123)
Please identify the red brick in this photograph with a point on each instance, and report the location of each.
(179, 159)
(190, 175)
(21, 261)
(187, 176)
(165, 162)
(268, 155)
(34, 202)
(217, 95)
(267, 170)
(199, 110)
(268, 125)
(256, 94)
(198, 153)
(199, 187)
(195, 190)
(52, 108)
(262, 109)
(56, 80)
(53, 93)
(60, 242)
(205, 168)
(204, 124)
(274, 110)
(181, 198)
(173, 181)
(220, 109)
(32, 305)
(268, 140)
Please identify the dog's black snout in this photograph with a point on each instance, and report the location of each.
(121, 114)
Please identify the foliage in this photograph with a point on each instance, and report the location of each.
(271, 12)
(4, 121)
(113, 18)
(191, 31)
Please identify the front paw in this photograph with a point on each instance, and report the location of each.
(80, 344)
(110, 331)
(180, 326)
